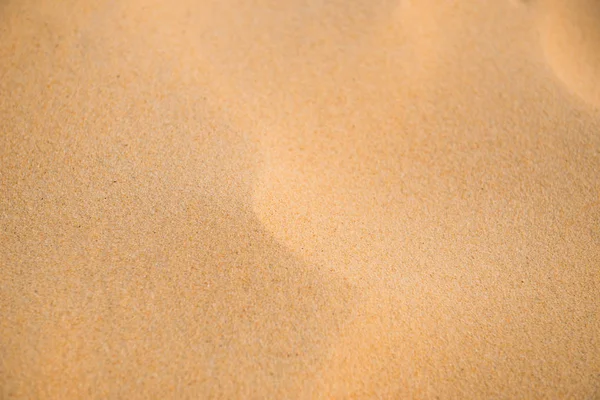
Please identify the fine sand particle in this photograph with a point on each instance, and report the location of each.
(299, 199)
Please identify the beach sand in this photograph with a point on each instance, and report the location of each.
(299, 199)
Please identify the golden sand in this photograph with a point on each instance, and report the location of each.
(570, 37)
(299, 199)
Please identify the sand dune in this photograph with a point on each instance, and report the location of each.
(299, 199)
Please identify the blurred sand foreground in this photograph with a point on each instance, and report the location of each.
(299, 199)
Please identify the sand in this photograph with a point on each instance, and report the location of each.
(570, 37)
(299, 199)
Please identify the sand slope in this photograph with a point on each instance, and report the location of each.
(297, 199)
(570, 36)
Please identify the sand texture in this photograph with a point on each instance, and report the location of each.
(271, 199)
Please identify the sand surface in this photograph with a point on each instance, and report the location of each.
(299, 199)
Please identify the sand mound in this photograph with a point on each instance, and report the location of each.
(330, 148)
(570, 35)
(401, 158)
